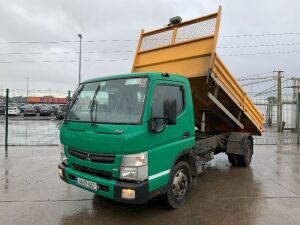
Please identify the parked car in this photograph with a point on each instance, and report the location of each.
(45, 111)
(22, 107)
(2, 109)
(14, 111)
(61, 112)
(37, 108)
(54, 109)
(30, 111)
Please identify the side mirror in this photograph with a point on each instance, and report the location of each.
(170, 111)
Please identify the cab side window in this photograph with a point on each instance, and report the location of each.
(163, 92)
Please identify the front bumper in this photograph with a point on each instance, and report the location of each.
(45, 113)
(29, 114)
(60, 116)
(107, 188)
(12, 113)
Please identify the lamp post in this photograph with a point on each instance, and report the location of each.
(80, 37)
(27, 89)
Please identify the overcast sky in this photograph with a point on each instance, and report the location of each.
(60, 21)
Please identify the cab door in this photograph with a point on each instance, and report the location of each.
(169, 140)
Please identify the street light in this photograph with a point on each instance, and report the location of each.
(80, 37)
(27, 89)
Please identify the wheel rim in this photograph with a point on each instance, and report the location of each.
(180, 184)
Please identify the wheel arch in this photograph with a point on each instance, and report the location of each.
(183, 156)
(187, 156)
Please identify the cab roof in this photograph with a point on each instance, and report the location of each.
(151, 75)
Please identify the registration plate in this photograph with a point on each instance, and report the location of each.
(88, 184)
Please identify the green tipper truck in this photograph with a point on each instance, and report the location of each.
(136, 136)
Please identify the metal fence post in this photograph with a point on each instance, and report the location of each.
(69, 96)
(6, 121)
(298, 119)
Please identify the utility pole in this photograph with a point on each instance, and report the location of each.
(6, 120)
(80, 37)
(298, 119)
(2, 95)
(279, 101)
(296, 87)
(27, 90)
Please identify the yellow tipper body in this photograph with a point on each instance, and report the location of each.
(189, 49)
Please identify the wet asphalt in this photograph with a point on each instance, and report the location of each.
(268, 192)
(30, 130)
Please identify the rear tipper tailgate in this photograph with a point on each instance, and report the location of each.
(189, 49)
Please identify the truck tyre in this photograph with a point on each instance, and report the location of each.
(245, 159)
(232, 158)
(179, 187)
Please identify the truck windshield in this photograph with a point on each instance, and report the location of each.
(112, 101)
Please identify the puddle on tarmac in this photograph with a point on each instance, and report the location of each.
(30, 132)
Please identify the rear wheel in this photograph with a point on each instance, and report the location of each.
(232, 158)
(179, 186)
(245, 159)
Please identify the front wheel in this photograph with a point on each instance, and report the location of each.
(179, 186)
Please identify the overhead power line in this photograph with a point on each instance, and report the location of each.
(259, 35)
(130, 51)
(261, 53)
(260, 45)
(255, 78)
(270, 88)
(64, 61)
(254, 75)
(100, 60)
(257, 82)
(66, 52)
(134, 40)
(70, 41)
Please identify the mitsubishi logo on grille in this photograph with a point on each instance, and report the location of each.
(88, 157)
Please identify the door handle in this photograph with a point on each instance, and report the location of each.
(186, 135)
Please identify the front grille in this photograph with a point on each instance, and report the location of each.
(93, 157)
(93, 172)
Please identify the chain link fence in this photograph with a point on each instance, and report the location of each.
(267, 104)
(37, 127)
(30, 132)
(44, 130)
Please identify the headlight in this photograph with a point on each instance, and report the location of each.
(140, 159)
(134, 167)
(62, 154)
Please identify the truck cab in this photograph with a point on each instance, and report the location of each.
(123, 134)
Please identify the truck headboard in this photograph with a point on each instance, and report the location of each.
(186, 48)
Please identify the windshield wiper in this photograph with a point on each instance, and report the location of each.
(73, 100)
(92, 105)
